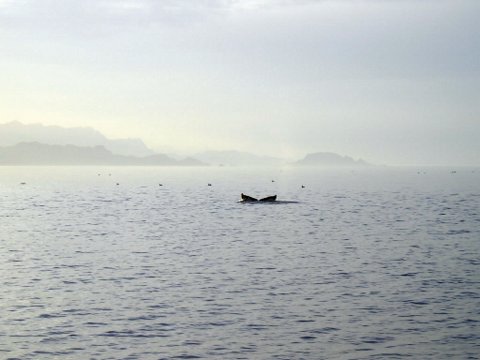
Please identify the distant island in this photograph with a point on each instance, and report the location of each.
(35, 153)
(329, 159)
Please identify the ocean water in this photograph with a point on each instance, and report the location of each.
(359, 264)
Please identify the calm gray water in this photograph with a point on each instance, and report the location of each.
(372, 264)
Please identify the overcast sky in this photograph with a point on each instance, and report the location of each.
(390, 81)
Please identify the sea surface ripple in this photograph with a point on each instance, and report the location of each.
(369, 264)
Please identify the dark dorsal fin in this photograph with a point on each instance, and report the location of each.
(269, 198)
(248, 198)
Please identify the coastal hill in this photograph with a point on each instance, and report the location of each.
(16, 132)
(35, 153)
(329, 159)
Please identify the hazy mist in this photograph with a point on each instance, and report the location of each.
(394, 82)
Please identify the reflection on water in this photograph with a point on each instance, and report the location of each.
(356, 265)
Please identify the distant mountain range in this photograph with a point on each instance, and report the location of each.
(237, 158)
(36, 144)
(15, 132)
(35, 153)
